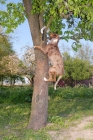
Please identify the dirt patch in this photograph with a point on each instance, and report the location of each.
(77, 132)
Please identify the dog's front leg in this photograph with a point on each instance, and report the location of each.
(41, 49)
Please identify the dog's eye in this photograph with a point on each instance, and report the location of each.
(54, 36)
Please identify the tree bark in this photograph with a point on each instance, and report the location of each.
(2, 80)
(39, 108)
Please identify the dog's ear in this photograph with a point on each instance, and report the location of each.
(53, 35)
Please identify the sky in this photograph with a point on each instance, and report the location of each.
(21, 38)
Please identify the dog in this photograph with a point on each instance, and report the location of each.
(55, 57)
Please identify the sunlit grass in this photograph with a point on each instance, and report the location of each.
(70, 111)
(66, 106)
(13, 118)
(89, 126)
(80, 139)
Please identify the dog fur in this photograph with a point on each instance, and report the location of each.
(55, 57)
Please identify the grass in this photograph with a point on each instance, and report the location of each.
(89, 126)
(71, 104)
(80, 139)
(66, 106)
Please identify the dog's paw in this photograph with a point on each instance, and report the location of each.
(43, 29)
(55, 87)
(45, 79)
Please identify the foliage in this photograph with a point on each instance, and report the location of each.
(12, 68)
(5, 51)
(57, 120)
(78, 16)
(5, 46)
(13, 78)
(76, 68)
(2, 1)
(80, 69)
(10, 65)
(15, 94)
(11, 18)
(72, 93)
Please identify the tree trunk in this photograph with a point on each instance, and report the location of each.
(10, 80)
(39, 108)
(1, 79)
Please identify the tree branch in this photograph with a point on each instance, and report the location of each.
(47, 27)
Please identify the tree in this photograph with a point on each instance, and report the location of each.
(80, 69)
(76, 69)
(5, 46)
(5, 50)
(85, 53)
(10, 66)
(50, 13)
(29, 65)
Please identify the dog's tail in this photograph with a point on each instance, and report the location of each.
(57, 81)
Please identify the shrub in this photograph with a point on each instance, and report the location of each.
(71, 93)
(16, 94)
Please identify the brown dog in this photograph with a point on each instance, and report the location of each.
(55, 57)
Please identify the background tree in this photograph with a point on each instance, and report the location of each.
(85, 53)
(5, 50)
(29, 65)
(10, 67)
(11, 64)
(51, 14)
(5, 46)
(75, 69)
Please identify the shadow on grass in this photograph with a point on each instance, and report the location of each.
(15, 108)
(70, 104)
(65, 106)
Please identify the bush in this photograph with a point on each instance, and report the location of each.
(71, 93)
(24, 94)
(16, 94)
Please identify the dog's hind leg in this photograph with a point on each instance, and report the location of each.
(50, 77)
(57, 81)
(54, 77)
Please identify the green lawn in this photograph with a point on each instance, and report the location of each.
(66, 105)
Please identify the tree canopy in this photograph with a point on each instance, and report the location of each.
(5, 46)
(78, 15)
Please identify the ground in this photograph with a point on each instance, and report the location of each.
(80, 131)
(70, 114)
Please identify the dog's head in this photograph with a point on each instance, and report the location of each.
(54, 35)
(54, 38)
